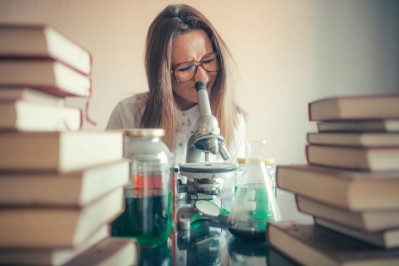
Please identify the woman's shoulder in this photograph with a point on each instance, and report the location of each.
(134, 105)
(127, 113)
(137, 100)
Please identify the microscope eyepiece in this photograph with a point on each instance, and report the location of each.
(200, 85)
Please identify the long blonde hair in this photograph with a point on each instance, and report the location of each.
(160, 108)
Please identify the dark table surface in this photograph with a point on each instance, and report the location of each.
(204, 244)
(207, 243)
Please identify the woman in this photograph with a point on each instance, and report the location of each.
(183, 47)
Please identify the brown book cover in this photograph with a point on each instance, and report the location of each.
(353, 139)
(29, 94)
(41, 41)
(109, 252)
(28, 116)
(355, 107)
(368, 220)
(79, 187)
(385, 239)
(58, 151)
(351, 190)
(356, 158)
(375, 125)
(48, 75)
(310, 244)
(49, 256)
(57, 227)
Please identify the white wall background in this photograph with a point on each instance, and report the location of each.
(288, 53)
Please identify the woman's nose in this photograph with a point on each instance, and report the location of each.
(201, 75)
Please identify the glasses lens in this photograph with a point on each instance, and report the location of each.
(210, 62)
(186, 71)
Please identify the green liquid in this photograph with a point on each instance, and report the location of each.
(148, 219)
(248, 222)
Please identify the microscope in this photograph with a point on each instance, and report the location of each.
(204, 178)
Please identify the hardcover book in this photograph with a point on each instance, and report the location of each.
(379, 125)
(79, 187)
(28, 116)
(310, 244)
(370, 220)
(356, 158)
(49, 256)
(56, 227)
(385, 239)
(110, 252)
(28, 94)
(350, 190)
(47, 75)
(356, 107)
(58, 151)
(39, 41)
(362, 139)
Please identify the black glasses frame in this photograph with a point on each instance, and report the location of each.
(197, 64)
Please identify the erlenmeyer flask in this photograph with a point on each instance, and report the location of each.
(254, 203)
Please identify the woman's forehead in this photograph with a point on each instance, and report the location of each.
(190, 46)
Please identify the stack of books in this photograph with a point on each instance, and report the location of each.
(350, 185)
(60, 186)
(39, 67)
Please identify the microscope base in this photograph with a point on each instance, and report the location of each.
(202, 210)
(187, 215)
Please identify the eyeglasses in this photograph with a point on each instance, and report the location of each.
(187, 70)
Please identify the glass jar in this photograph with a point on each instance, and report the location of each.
(148, 197)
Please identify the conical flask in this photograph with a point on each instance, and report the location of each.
(254, 204)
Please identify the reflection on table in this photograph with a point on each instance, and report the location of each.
(208, 244)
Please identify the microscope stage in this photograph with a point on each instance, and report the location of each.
(207, 170)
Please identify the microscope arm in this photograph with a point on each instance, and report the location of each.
(206, 138)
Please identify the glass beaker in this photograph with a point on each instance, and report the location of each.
(254, 203)
(242, 168)
(256, 149)
(271, 171)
